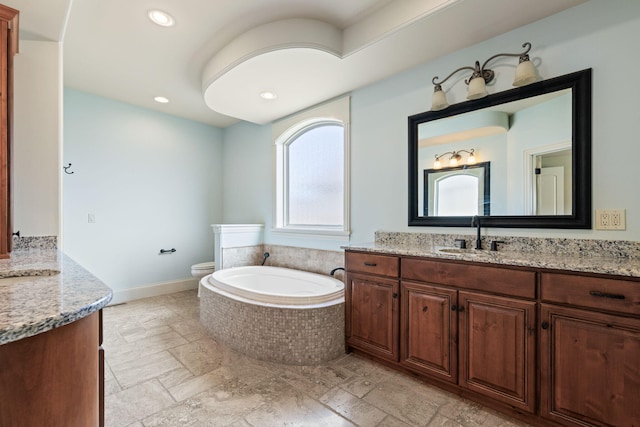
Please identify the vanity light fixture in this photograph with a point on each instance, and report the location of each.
(455, 158)
(161, 18)
(525, 74)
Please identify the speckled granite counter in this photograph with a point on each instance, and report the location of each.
(587, 256)
(35, 305)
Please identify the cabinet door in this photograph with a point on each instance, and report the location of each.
(372, 315)
(590, 368)
(428, 330)
(497, 348)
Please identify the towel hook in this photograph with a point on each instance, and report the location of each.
(66, 169)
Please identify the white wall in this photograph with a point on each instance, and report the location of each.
(153, 181)
(37, 141)
(593, 35)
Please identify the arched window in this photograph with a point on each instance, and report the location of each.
(457, 195)
(312, 177)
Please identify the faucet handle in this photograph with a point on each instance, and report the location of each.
(494, 244)
(462, 243)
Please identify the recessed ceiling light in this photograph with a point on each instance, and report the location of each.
(161, 99)
(161, 18)
(268, 95)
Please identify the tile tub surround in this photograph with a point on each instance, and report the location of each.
(49, 301)
(286, 335)
(304, 259)
(590, 256)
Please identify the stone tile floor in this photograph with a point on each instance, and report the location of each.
(163, 370)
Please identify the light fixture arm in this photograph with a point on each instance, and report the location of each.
(471, 152)
(523, 57)
(433, 80)
(438, 156)
(483, 72)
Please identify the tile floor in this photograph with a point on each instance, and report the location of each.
(163, 370)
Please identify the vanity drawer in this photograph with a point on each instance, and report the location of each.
(622, 296)
(517, 283)
(382, 265)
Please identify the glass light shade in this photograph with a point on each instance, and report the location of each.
(477, 88)
(453, 161)
(525, 74)
(471, 160)
(439, 99)
(437, 164)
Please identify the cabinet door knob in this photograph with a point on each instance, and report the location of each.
(394, 295)
(454, 307)
(461, 308)
(544, 325)
(424, 309)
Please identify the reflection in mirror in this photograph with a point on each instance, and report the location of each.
(503, 134)
(457, 191)
(538, 141)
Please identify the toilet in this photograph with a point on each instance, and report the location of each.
(204, 268)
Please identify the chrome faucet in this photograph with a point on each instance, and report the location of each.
(475, 222)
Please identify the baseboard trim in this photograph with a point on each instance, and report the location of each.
(125, 295)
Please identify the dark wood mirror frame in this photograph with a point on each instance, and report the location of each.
(580, 83)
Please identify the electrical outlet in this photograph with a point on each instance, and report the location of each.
(91, 218)
(611, 219)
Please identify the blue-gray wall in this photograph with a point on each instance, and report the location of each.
(152, 181)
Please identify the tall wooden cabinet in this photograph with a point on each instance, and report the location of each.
(8, 48)
(553, 348)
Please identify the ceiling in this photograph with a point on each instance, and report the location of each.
(221, 54)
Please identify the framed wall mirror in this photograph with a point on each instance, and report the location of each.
(537, 139)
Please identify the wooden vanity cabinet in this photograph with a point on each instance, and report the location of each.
(8, 48)
(497, 348)
(371, 295)
(481, 341)
(428, 334)
(590, 350)
(53, 378)
(554, 348)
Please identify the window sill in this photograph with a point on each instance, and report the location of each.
(337, 235)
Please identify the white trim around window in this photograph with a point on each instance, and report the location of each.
(284, 131)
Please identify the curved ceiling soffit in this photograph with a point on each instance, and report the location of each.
(266, 40)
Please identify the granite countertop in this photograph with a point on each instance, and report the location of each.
(621, 266)
(63, 293)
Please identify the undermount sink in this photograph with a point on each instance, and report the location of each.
(20, 276)
(458, 251)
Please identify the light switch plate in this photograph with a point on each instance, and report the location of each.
(611, 219)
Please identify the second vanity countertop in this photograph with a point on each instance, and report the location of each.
(32, 305)
(620, 266)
